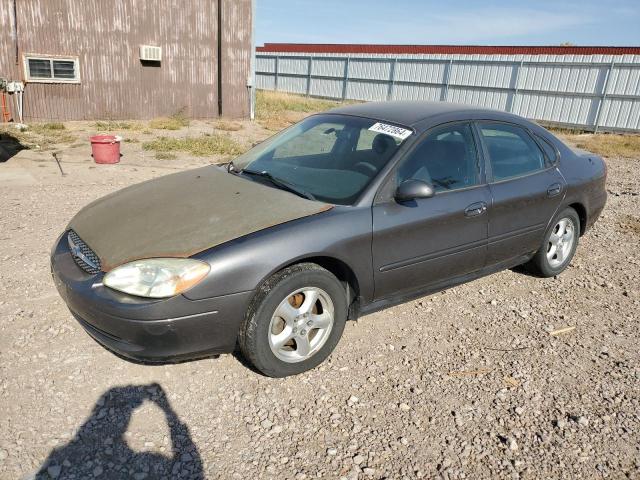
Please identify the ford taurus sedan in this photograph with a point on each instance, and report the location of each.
(347, 212)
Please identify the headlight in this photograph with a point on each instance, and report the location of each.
(156, 277)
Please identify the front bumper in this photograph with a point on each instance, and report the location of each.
(147, 330)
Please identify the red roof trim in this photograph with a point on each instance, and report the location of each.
(444, 49)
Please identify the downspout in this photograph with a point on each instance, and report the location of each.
(219, 58)
(15, 30)
(252, 68)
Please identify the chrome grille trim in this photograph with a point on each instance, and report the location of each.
(84, 257)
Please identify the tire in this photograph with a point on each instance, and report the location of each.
(294, 321)
(549, 262)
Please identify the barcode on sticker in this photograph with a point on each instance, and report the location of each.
(392, 130)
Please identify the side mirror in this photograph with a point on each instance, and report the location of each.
(412, 189)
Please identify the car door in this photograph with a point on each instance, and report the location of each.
(526, 188)
(429, 241)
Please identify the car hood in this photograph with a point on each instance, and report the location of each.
(182, 214)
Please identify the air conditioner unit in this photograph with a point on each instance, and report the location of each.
(150, 53)
(14, 87)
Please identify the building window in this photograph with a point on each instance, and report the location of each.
(50, 69)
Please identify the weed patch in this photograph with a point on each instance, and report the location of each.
(43, 127)
(227, 126)
(42, 136)
(203, 146)
(166, 156)
(272, 103)
(175, 122)
(276, 110)
(110, 126)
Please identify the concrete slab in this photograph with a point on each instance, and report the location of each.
(15, 176)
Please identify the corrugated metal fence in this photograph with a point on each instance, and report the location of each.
(590, 92)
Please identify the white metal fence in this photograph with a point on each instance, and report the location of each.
(587, 92)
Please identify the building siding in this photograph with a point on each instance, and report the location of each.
(114, 83)
(237, 50)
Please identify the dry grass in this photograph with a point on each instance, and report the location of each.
(277, 110)
(272, 103)
(277, 124)
(203, 146)
(166, 156)
(166, 123)
(111, 126)
(561, 131)
(227, 126)
(607, 144)
(44, 127)
(43, 136)
(175, 122)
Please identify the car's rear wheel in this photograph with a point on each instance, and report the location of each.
(559, 245)
(295, 320)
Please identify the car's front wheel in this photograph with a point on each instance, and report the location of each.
(295, 320)
(559, 245)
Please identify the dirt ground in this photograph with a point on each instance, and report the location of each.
(469, 383)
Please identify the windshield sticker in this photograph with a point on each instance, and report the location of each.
(392, 130)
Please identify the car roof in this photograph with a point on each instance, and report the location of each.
(410, 113)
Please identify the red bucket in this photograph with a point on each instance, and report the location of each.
(105, 148)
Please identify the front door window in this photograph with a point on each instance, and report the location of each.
(446, 159)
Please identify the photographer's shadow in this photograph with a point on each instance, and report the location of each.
(100, 450)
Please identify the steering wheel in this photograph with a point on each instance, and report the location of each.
(365, 168)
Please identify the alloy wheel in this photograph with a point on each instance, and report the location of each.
(301, 324)
(560, 243)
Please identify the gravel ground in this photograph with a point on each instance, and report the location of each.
(469, 383)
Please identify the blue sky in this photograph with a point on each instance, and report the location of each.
(486, 22)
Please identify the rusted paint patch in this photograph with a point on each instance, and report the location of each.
(182, 214)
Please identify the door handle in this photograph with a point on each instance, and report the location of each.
(475, 209)
(554, 190)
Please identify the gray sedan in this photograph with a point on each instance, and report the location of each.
(347, 212)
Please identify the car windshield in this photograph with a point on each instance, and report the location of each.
(331, 158)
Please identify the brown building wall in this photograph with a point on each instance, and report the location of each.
(106, 36)
(237, 50)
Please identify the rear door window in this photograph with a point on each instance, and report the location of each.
(549, 150)
(512, 151)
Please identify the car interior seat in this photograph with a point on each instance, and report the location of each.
(382, 148)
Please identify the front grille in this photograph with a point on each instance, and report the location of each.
(84, 257)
